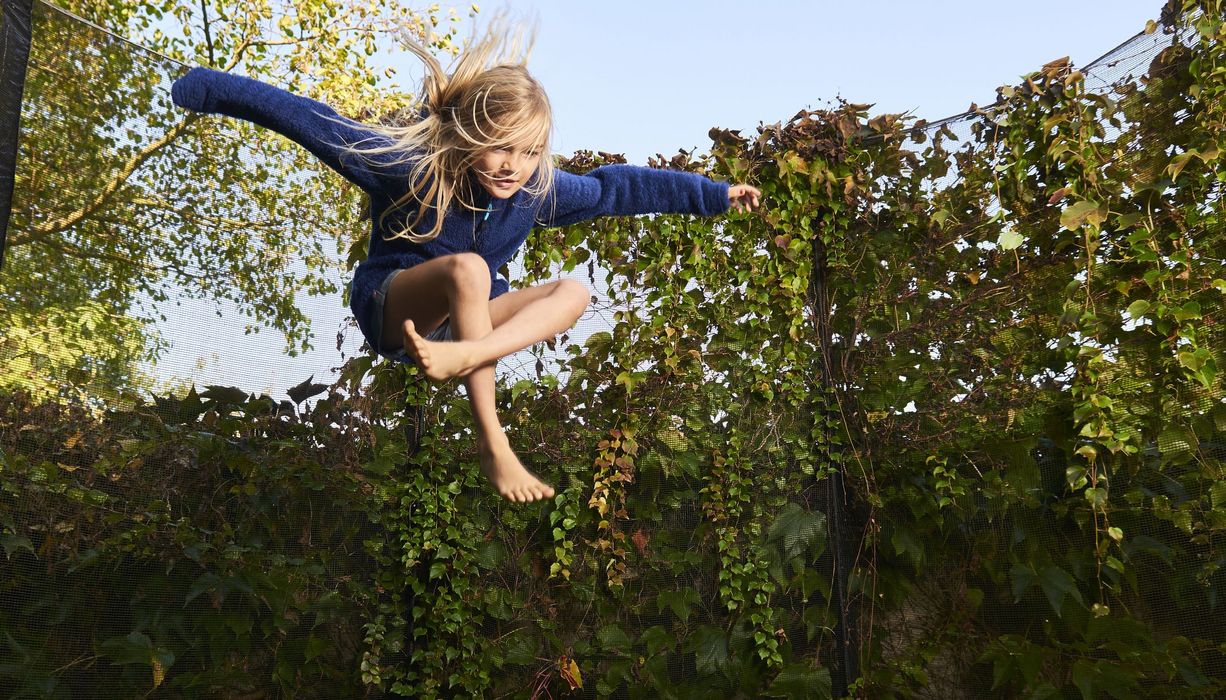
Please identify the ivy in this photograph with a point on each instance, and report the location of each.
(1002, 334)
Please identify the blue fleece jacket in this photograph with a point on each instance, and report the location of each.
(609, 190)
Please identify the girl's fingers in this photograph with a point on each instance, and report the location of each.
(744, 198)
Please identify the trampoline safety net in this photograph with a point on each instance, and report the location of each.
(943, 419)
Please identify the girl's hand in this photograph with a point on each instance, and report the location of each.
(743, 197)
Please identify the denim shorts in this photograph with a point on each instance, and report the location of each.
(440, 334)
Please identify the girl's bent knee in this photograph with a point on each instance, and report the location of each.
(575, 294)
(468, 272)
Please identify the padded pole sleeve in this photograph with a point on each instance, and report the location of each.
(14, 52)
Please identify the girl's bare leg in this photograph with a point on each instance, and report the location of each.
(538, 320)
(458, 287)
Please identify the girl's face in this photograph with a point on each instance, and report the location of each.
(504, 171)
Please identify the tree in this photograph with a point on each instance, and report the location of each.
(125, 203)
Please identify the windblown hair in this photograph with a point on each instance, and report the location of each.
(488, 101)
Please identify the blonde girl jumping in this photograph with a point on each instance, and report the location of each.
(452, 197)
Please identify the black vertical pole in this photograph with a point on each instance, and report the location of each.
(414, 427)
(845, 645)
(15, 31)
(847, 668)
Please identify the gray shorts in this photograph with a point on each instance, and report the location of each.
(442, 333)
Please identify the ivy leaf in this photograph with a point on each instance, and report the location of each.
(12, 543)
(710, 647)
(1217, 494)
(1083, 678)
(617, 672)
(521, 646)
(798, 529)
(656, 638)
(315, 647)
(1082, 212)
(1188, 312)
(802, 682)
(208, 581)
(679, 601)
(596, 343)
(1179, 162)
(1010, 239)
(489, 554)
(305, 390)
(613, 637)
(1023, 577)
(225, 394)
(1057, 585)
(134, 647)
(137, 648)
(1176, 443)
(905, 542)
(358, 249)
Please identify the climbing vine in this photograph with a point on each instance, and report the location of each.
(1001, 333)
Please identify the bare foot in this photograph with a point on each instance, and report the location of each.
(512, 481)
(439, 360)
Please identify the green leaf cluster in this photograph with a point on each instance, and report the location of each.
(1003, 333)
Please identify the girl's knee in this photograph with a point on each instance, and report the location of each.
(575, 294)
(468, 272)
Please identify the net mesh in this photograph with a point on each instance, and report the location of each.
(192, 435)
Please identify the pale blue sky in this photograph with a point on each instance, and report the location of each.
(642, 77)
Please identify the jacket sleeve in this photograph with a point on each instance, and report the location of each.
(626, 190)
(311, 124)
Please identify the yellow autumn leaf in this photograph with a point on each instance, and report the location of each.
(159, 672)
(569, 670)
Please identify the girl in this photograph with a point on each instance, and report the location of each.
(452, 197)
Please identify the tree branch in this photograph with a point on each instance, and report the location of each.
(208, 37)
(196, 215)
(42, 231)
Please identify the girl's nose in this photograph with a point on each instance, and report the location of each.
(511, 162)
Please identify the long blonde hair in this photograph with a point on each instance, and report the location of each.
(488, 100)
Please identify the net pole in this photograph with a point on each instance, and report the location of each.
(414, 427)
(15, 33)
(847, 666)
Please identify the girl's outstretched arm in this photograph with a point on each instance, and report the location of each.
(626, 190)
(313, 125)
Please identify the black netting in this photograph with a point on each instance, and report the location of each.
(207, 491)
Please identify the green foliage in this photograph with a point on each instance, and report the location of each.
(125, 203)
(206, 546)
(1007, 341)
